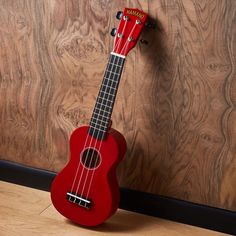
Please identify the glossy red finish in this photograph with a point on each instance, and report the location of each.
(104, 191)
(129, 28)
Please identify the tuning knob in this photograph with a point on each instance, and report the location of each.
(143, 41)
(119, 15)
(150, 25)
(113, 32)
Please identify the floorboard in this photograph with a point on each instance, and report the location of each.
(26, 211)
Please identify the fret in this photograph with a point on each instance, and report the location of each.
(116, 60)
(108, 81)
(115, 72)
(107, 94)
(97, 119)
(113, 67)
(99, 115)
(100, 129)
(113, 59)
(101, 104)
(113, 80)
(102, 107)
(104, 99)
(112, 72)
(104, 104)
(95, 128)
(96, 108)
(95, 125)
(113, 90)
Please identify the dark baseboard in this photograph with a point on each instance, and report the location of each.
(149, 204)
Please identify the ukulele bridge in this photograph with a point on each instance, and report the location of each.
(79, 200)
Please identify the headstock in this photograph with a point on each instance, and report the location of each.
(126, 35)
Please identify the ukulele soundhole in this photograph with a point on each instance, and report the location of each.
(90, 158)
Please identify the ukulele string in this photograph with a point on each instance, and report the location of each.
(122, 33)
(89, 146)
(86, 157)
(127, 41)
(107, 91)
(115, 46)
(77, 170)
(87, 154)
(126, 45)
(90, 183)
(93, 171)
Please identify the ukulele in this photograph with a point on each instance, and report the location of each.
(86, 190)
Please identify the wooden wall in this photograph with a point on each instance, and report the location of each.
(176, 102)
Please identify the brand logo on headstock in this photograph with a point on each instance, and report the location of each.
(135, 13)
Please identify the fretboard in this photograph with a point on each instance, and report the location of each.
(101, 116)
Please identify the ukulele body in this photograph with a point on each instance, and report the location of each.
(98, 184)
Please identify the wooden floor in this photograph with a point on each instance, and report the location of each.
(26, 211)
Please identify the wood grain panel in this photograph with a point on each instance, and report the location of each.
(176, 103)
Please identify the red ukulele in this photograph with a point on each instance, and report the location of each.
(86, 190)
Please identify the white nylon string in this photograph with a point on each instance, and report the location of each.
(107, 90)
(87, 154)
(90, 183)
(119, 41)
(77, 170)
(101, 142)
(80, 164)
(127, 41)
(88, 147)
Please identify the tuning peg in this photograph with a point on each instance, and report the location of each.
(150, 25)
(119, 15)
(113, 32)
(143, 41)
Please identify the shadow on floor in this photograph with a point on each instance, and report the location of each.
(123, 221)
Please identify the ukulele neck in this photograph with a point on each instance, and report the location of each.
(101, 116)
